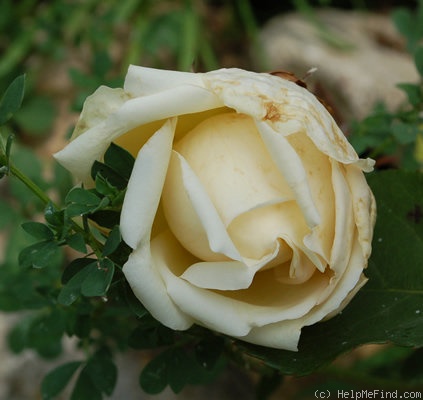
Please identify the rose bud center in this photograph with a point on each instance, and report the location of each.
(251, 197)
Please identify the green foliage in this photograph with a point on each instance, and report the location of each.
(395, 134)
(177, 366)
(88, 298)
(97, 377)
(42, 332)
(12, 99)
(56, 380)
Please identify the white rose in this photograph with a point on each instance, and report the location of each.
(247, 209)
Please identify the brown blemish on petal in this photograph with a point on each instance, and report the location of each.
(289, 76)
(272, 112)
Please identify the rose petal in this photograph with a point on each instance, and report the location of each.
(234, 312)
(146, 282)
(344, 222)
(291, 167)
(97, 107)
(285, 334)
(318, 171)
(143, 81)
(279, 335)
(79, 155)
(364, 208)
(226, 275)
(288, 107)
(145, 186)
(243, 175)
(186, 199)
(256, 232)
(341, 287)
(299, 270)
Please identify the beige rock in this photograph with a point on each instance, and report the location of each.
(359, 57)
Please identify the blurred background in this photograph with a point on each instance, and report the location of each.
(359, 51)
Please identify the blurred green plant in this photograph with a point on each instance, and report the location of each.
(396, 137)
(88, 297)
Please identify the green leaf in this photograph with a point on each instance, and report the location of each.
(402, 19)
(112, 242)
(103, 372)
(77, 242)
(120, 160)
(389, 308)
(408, 25)
(85, 389)
(208, 351)
(181, 366)
(97, 282)
(46, 332)
(418, 59)
(42, 331)
(76, 266)
(39, 255)
(72, 290)
(414, 93)
(80, 202)
(153, 378)
(53, 216)
(405, 133)
(17, 336)
(12, 99)
(108, 174)
(56, 380)
(103, 186)
(106, 218)
(38, 230)
(151, 334)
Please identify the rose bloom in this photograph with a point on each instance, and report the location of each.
(247, 209)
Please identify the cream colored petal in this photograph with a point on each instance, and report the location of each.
(298, 271)
(79, 155)
(144, 278)
(317, 167)
(142, 81)
(145, 186)
(235, 312)
(364, 206)
(344, 221)
(286, 106)
(243, 175)
(182, 218)
(286, 334)
(291, 167)
(98, 107)
(226, 275)
(341, 287)
(194, 196)
(360, 283)
(283, 335)
(256, 232)
(236, 316)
